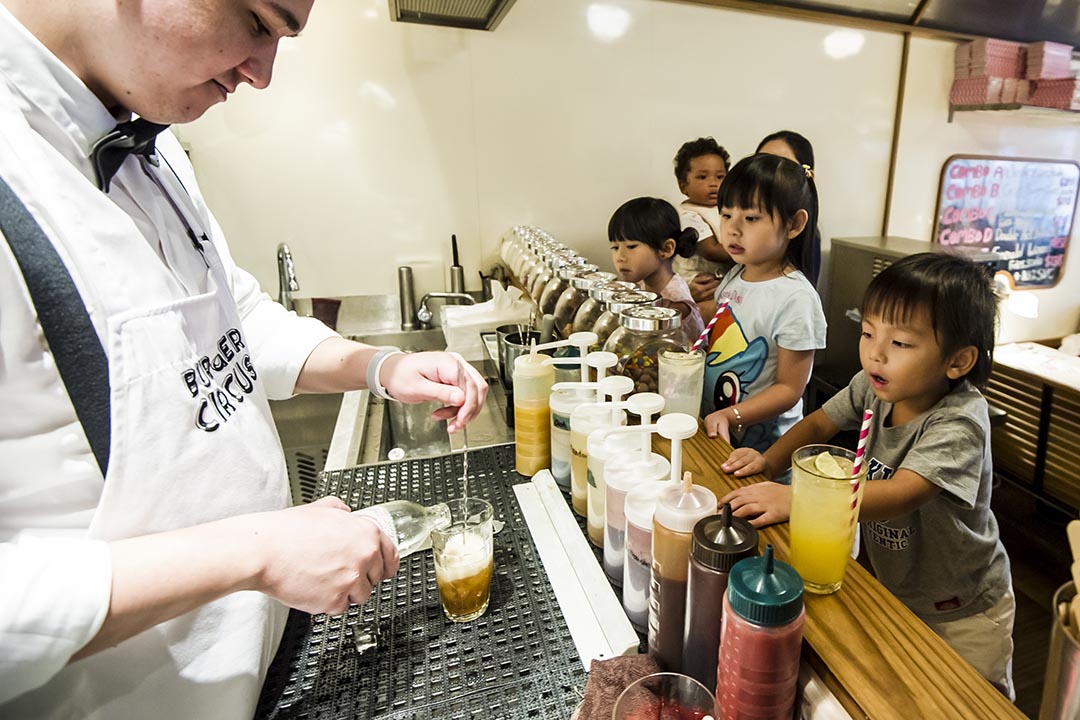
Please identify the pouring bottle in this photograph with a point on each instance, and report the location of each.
(760, 639)
(719, 542)
(564, 398)
(603, 446)
(678, 509)
(584, 419)
(622, 473)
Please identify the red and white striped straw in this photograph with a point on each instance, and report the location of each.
(864, 431)
(705, 333)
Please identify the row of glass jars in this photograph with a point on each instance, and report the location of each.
(625, 319)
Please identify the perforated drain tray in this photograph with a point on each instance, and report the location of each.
(517, 661)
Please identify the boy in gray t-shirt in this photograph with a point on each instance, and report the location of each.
(927, 342)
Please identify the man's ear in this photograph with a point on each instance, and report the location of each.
(798, 223)
(667, 249)
(962, 361)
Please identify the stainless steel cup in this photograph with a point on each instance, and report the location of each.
(1061, 687)
(514, 341)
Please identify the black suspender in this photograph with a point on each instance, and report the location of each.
(74, 343)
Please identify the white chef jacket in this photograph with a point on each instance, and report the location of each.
(55, 571)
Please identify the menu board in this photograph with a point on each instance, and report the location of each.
(1022, 210)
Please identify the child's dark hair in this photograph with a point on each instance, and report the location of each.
(776, 185)
(697, 148)
(651, 221)
(800, 146)
(958, 295)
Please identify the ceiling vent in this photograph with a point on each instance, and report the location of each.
(468, 14)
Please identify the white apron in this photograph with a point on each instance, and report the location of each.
(192, 440)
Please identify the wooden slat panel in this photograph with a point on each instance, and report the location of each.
(886, 659)
(1014, 445)
(1061, 476)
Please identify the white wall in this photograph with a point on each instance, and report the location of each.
(927, 140)
(377, 140)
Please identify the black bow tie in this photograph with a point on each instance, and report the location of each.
(135, 137)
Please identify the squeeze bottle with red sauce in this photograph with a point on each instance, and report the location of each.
(760, 640)
(719, 542)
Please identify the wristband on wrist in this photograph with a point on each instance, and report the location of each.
(738, 419)
(375, 366)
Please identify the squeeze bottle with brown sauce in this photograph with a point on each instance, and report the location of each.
(678, 509)
(719, 542)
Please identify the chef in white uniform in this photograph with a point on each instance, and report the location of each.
(153, 582)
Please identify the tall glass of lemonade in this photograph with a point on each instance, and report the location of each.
(825, 500)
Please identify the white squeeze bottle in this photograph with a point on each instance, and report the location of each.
(533, 378)
(678, 509)
(586, 418)
(623, 473)
(532, 412)
(564, 398)
(604, 446)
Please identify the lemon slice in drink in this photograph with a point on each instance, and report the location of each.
(826, 465)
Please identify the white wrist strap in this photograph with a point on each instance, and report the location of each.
(375, 367)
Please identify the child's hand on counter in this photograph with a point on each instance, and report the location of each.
(766, 502)
(745, 461)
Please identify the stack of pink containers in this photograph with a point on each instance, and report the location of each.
(991, 72)
(982, 68)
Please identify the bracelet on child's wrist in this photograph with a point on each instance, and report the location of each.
(738, 419)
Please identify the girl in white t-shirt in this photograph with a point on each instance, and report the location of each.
(645, 235)
(761, 349)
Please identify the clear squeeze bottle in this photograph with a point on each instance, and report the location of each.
(637, 567)
(564, 398)
(603, 446)
(621, 474)
(406, 523)
(760, 640)
(532, 422)
(719, 542)
(584, 419)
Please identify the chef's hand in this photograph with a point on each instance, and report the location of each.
(765, 502)
(745, 461)
(703, 286)
(320, 558)
(444, 377)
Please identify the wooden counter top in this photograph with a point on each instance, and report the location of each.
(879, 659)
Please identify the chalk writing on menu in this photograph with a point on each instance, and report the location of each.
(1020, 209)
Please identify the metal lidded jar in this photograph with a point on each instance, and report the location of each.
(643, 332)
(595, 305)
(610, 320)
(565, 270)
(575, 296)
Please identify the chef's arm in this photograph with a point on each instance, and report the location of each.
(340, 365)
(316, 558)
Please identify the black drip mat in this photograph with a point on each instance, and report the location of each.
(516, 661)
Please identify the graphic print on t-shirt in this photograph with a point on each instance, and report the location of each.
(888, 536)
(732, 362)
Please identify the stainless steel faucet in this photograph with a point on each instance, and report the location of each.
(424, 315)
(286, 273)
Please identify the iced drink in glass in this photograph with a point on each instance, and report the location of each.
(464, 559)
(825, 500)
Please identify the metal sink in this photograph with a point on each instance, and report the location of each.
(389, 425)
(335, 431)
